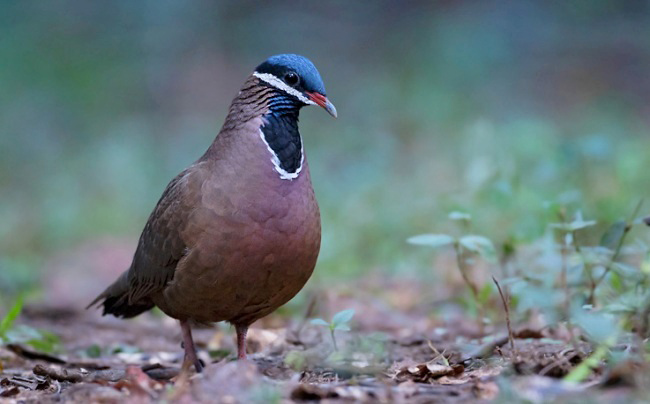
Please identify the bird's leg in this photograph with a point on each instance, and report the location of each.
(241, 340)
(188, 344)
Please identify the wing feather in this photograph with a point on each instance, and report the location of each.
(161, 245)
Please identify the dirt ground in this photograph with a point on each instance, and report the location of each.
(397, 351)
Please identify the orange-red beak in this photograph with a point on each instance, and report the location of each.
(321, 100)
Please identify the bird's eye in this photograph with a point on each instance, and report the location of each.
(291, 79)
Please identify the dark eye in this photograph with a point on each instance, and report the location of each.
(291, 79)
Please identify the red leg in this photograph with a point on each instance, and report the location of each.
(188, 344)
(241, 340)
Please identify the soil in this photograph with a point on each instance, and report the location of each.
(397, 351)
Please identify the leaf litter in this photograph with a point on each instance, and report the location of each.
(395, 352)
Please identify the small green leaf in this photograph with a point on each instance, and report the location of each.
(319, 321)
(342, 327)
(218, 353)
(627, 271)
(595, 256)
(598, 326)
(485, 293)
(93, 351)
(11, 316)
(478, 244)
(616, 282)
(43, 345)
(296, 360)
(124, 348)
(46, 342)
(335, 357)
(342, 317)
(431, 240)
(613, 235)
(40, 339)
(618, 308)
(456, 215)
(573, 226)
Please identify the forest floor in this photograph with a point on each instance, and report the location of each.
(397, 351)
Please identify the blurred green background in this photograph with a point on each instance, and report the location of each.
(494, 108)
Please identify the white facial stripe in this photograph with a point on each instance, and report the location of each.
(281, 85)
(284, 174)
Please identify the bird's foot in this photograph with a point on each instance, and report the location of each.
(198, 364)
(188, 346)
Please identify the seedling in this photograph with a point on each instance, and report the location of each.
(469, 244)
(8, 320)
(339, 323)
(568, 231)
(21, 334)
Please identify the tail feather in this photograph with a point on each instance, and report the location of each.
(116, 302)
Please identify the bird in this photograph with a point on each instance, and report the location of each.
(237, 234)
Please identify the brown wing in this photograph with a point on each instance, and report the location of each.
(161, 245)
(160, 248)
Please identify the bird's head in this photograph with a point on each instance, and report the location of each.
(296, 76)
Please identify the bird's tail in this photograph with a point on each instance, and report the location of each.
(116, 301)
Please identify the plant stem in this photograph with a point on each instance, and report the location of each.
(619, 247)
(563, 256)
(506, 304)
(475, 292)
(564, 284)
(587, 268)
(336, 348)
(644, 321)
(445, 361)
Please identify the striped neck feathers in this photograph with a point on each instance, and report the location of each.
(279, 109)
(281, 136)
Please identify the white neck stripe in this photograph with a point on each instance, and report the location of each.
(284, 174)
(281, 85)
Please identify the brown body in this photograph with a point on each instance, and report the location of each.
(229, 239)
(252, 238)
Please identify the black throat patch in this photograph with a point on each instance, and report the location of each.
(283, 138)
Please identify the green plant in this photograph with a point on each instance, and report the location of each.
(598, 283)
(465, 247)
(568, 231)
(9, 319)
(339, 323)
(614, 239)
(10, 333)
(296, 360)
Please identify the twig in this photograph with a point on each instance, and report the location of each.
(506, 304)
(433, 348)
(562, 360)
(9, 391)
(587, 366)
(29, 354)
(61, 375)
